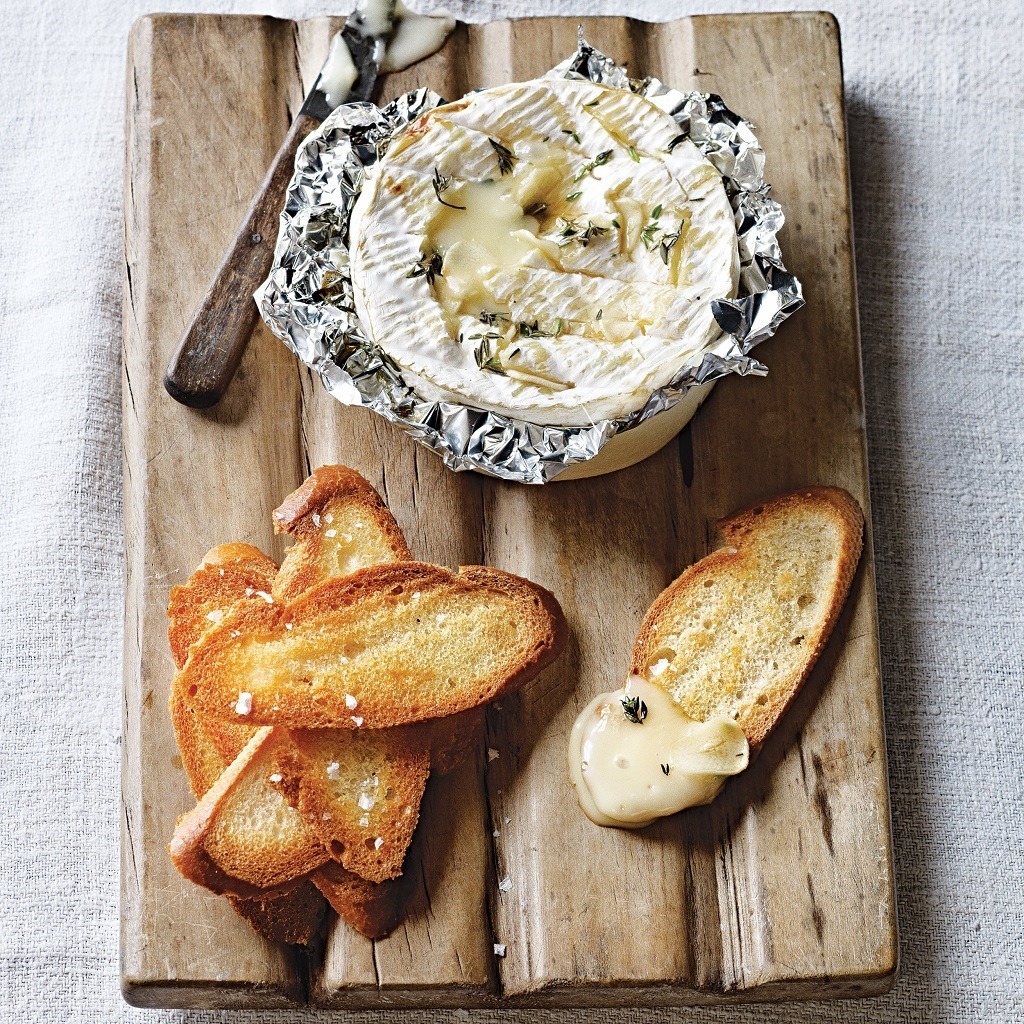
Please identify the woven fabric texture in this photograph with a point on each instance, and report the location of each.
(936, 108)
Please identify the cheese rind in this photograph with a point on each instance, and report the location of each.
(543, 250)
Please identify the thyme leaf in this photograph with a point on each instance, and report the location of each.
(599, 161)
(675, 142)
(535, 209)
(572, 135)
(442, 184)
(428, 266)
(571, 231)
(634, 155)
(572, 196)
(506, 158)
(634, 709)
(485, 358)
(666, 768)
(532, 330)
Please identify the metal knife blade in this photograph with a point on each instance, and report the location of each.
(211, 349)
(364, 37)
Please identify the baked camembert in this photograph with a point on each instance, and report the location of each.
(548, 249)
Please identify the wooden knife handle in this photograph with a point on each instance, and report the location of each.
(201, 370)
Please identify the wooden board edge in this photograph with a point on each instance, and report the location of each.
(212, 996)
(889, 954)
(141, 994)
(137, 989)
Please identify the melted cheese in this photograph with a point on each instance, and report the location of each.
(629, 773)
(410, 38)
(579, 276)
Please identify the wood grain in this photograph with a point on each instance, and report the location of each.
(784, 888)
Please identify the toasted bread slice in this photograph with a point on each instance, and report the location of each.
(360, 792)
(738, 632)
(372, 908)
(388, 645)
(228, 575)
(295, 917)
(243, 837)
(340, 524)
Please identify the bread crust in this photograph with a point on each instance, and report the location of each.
(740, 531)
(374, 909)
(190, 844)
(213, 682)
(328, 490)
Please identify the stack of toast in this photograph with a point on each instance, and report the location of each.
(312, 701)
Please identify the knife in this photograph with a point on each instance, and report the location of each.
(212, 347)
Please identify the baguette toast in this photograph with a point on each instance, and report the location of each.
(226, 574)
(394, 765)
(739, 631)
(385, 646)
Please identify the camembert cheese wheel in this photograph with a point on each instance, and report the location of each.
(547, 249)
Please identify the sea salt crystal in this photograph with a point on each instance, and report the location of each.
(378, 843)
(499, 949)
(334, 771)
(366, 801)
(316, 519)
(266, 597)
(350, 701)
(275, 778)
(505, 884)
(330, 533)
(244, 704)
(357, 720)
(492, 754)
(215, 616)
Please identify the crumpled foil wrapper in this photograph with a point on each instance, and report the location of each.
(307, 300)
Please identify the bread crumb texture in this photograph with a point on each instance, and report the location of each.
(738, 632)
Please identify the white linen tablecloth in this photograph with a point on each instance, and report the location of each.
(936, 105)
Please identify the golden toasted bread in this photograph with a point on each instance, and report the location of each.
(738, 632)
(385, 646)
(360, 792)
(209, 745)
(243, 837)
(340, 524)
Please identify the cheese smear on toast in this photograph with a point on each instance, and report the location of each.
(636, 756)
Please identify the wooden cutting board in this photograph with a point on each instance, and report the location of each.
(782, 889)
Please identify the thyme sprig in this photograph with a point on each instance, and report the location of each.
(570, 231)
(485, 358)
(599, 161)
(634, 709)
(428, 266)
(442, 184)
(654, 236)
(506, 158)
